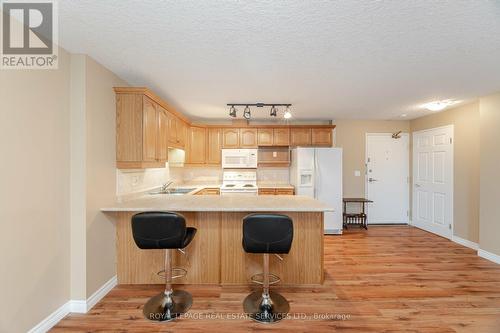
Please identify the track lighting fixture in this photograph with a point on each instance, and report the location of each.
(287, 114)
(247, 113)
(274, 111)
(232, 111)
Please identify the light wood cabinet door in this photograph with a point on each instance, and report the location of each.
(182, 129)
(248, 137)
(150, 130)
(197, 145)
(265, 136)
(230, 138)
(322, 137)
(214, 145)
(300, 137)
(284, 191)
(129, 133)
(281, 136)
(162, 143)
(172, 129)
(267, 191)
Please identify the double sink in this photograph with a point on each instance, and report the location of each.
(173, 191)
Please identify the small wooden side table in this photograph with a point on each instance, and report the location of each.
(356, 218)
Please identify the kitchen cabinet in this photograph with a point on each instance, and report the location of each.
(230, 138)
(209, 191)
(162, 138)
(196, 147)
(276, 191)
(300, 136)
(248, 138)
(322, 137)
(137, 132)
(146, 126)
(281, 136)
(265, 136)
(273, 157)
(214, 146)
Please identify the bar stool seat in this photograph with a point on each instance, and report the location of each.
(267, 234)
(168, 231)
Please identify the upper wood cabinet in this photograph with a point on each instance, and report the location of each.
(214, 146)
(137, 132)
(146, 126)
(196, 147)
(322, 137)
(230, 138)
(281, 136)
(162, 138)
(300, 136)
(248, 138)
(265, 136)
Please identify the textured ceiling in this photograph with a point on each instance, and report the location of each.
(330, 59)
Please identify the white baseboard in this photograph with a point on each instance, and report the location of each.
(52, 319)
(465, 242)
(488, 255)
(75, 306)
(101, 292)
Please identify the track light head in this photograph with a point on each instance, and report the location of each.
(232, 111)
(274, 111)
(287, 114)
(246, 113)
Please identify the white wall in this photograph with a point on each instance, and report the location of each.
(34, 194)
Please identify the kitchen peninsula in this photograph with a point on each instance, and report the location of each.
(216, 256)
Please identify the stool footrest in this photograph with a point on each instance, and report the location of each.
(181, 272)
(259, 278)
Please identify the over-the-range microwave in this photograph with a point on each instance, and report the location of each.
(239, 158)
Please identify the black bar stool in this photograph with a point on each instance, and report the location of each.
(164, 230)
(267, 233)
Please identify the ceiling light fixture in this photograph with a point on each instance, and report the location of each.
(232, 111)
(438, 105)
(274, 111)
(246, 113)
(287, 114)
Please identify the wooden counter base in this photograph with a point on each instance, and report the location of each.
(216, 256)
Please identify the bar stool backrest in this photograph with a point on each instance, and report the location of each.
(267, 233)
(159, 230)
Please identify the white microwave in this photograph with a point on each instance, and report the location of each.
(239, 158)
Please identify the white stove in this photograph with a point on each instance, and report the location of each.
(239, 182)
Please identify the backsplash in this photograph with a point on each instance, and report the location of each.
(134, 181)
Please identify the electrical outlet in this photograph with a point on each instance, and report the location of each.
(275, 154)
(357, 173)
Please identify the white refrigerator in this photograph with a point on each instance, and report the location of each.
(317, 173)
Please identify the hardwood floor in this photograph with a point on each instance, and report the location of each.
(386, 279)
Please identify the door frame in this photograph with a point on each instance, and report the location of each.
(408, 197)
(452, 183)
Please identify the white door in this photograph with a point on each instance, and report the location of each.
(433, 180)
(387, 178)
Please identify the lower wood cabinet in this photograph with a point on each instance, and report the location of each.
(276, 191)
(209, 191)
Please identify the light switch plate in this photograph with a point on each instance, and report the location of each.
(357, 173)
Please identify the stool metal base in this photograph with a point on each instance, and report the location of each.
(156, 308)
(255, 306)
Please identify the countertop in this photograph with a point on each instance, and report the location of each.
(215, 203)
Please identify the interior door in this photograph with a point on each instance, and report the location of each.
(387, 178)
(433, 180)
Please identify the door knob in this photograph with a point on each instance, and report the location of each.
(371, 180)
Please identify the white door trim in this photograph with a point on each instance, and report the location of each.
(452, 185)
(407, 135)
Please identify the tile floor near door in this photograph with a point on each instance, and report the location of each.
(386, 279)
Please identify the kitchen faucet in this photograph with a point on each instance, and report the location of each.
(165, 186)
